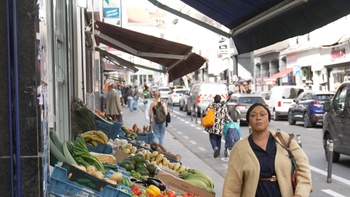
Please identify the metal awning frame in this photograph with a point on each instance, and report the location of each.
(123, 62)
(266, 15)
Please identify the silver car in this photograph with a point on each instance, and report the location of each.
(183, 100)
(238, 105)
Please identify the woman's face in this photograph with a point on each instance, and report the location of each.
(259, 119)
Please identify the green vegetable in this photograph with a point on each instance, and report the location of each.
(126, 181)
(127, 165)
(67, 154)
(135, 174)
(143, 171)
(56, 141)
(57, 153)
(82, 155)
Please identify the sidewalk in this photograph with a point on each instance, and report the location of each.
(174, 146)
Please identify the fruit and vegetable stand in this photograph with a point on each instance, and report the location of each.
(122, 161)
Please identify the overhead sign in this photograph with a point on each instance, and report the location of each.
(111, 12)
(296, 70)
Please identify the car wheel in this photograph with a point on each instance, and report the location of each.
(275, 117)
(188, 110)
(307, 122)
(336, 155)
(291, 121)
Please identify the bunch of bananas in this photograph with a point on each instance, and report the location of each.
(94, 137)
(161, 160)
(199, 179)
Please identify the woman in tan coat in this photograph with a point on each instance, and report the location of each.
(260, 167)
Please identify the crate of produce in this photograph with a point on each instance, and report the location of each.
(148, 137)
(101, 148)
(61, 186)
(111, 130)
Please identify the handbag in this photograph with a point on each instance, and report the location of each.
(168, 118)
(295, 166)
(208, 119)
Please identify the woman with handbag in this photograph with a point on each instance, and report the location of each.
(260, 165)
(221, 117)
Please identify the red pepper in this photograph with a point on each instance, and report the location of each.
(136, 190)
(160, 195)
(170, 193)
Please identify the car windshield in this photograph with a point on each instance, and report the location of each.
(180, 91)
(323, 97)
(250, 100)
(164, 89)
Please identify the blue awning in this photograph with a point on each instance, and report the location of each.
(259, 23)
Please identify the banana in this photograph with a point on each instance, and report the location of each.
(94, 138)
(170, 166)
(159, 158)
(200, 184)
(207, 182)
(154, 154)
(103, 136)
(91, 132)
(181, 169)
(176, 166)
(204, 175)
(165, 161)
(184, 175)
(94, 143)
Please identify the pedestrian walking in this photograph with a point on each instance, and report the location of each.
(154, 116)
(221, 118)
(259, 165)
(130, 97)
(146, 100)
(113, 105)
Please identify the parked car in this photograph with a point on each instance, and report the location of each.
(281, 98)
(164, 92)
(238, 104)
(201, 94)
(183, 100)
(174, 96)
(308, 108)
(336, 122)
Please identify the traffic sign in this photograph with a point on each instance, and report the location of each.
(296, 70)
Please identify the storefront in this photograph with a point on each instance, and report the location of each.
(336, 61)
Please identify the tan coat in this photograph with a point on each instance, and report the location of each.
(113, 104)
(243, 172)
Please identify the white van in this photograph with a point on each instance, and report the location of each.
(280, 99)
(202, 94)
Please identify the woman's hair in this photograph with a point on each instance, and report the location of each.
(255, 105)
(156, 95)
(217, 98)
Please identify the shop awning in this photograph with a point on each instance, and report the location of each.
(278, 75)
(117, 61)
(177, 59)
(258, 23)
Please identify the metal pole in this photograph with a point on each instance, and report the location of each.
(195, 113)
(330, 161)
(191, 114)
(299, 140)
